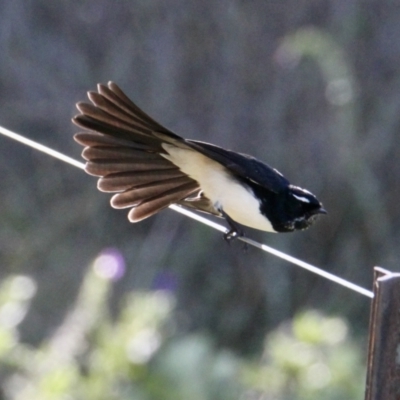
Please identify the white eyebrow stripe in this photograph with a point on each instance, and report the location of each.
(301, 198)
(301, 189)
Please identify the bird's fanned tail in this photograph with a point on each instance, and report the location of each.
(124, 148)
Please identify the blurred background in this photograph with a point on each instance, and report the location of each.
(165, 308)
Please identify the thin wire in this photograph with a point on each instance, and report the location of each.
(199, 218)
(277, 253)
(40, 147)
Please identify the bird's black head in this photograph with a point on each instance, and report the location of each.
(300, 209)
(290, 209)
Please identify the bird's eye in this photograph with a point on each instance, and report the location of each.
(301, 198)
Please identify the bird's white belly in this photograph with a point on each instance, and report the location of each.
(236, 200)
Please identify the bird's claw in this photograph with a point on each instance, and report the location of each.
(231, 235)
(234, 232)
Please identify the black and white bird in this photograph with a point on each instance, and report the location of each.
(149, 168)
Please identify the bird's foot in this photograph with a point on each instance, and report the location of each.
(232, 234)
(234, 231)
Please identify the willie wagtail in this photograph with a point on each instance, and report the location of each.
(148, 168)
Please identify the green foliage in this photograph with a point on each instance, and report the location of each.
(142, 356)
(311, 357)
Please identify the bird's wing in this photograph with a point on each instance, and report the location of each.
(123, 147)
(243, 166)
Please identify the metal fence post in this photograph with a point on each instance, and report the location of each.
(383, 373)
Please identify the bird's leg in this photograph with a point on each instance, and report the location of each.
(235, 231)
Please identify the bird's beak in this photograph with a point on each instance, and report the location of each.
(322, 211)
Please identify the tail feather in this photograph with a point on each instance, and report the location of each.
(96, 139)
(147, 191)
(117, 97)
(121, 181)
(106, 167)
(116, 108)
(114, 127)
(156, 204)
(114, 152)
(113, 118)
(124, 148)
